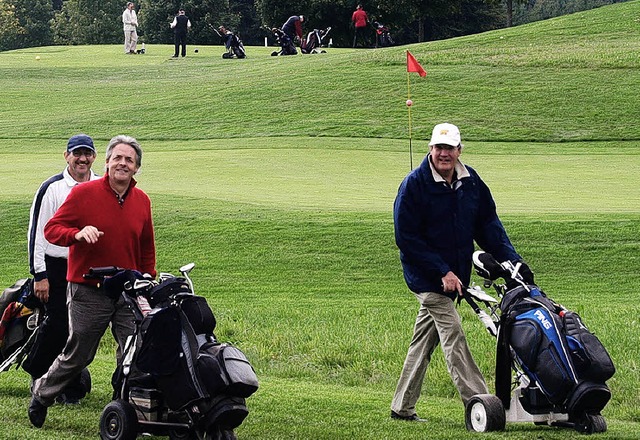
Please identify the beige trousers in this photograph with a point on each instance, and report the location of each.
(437, 322)
(130, 41)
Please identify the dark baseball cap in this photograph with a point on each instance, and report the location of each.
(80, 141)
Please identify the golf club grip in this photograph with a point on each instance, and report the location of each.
(98, 273)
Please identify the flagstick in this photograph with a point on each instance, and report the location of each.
(409, 103)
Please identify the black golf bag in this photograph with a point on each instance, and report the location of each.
(175, 376)
(235, 48)
(314, 40)
(383, 35)
(21, 316)
(560, 366)
(565, 361)
(287, 47)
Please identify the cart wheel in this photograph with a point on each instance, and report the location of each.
(119, 421)
(484, 413)
(219, 433)
(85, 380)
(180, 434)
(591, 424)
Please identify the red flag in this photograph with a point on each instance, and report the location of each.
(414, 66)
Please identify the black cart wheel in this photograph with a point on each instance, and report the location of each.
(118, 421)
(484, 413)
(591, 424)
(85, 380)
(227, 434)
(183, 434)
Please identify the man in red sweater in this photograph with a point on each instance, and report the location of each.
(360, 20)
(105, 222)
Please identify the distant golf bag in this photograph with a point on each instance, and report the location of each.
(383, 35)
(284, 41)
(234, 45)
(561, 367)
(313, 42)
(175, 378)
(21, 316)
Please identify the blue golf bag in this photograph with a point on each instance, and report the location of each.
(568, 363)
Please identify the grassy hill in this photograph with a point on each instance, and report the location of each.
(277, 176)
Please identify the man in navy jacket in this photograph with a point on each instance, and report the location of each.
(442, 207)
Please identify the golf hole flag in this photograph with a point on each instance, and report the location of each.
(414, 66)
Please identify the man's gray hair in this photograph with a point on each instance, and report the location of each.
(128, 140)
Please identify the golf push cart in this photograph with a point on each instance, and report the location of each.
(550, 369)
(174, 378)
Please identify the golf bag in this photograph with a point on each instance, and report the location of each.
(568, 364)
(175, 376)
(287, 47)
(560, 366)
(313, 42)
(21, 316)
(235, 48)
(383, 35)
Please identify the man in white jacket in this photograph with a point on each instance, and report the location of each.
(130, 22)
(48, 262)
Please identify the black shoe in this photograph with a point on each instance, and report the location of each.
(37, 413)
(411, 418)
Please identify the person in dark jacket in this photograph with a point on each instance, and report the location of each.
(441, 209)
(293, 27)
(180, 26)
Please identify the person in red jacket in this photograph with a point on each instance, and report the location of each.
(360, 21)
(104, 222)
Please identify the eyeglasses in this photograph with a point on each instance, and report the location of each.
(82, 152)
(446, 147)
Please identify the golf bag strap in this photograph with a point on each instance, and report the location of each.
(503, 363)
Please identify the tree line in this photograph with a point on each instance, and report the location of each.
(30, 23)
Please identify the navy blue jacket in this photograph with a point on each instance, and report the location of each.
(436, 226)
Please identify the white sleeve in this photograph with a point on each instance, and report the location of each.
(41, 211)
(174, 22)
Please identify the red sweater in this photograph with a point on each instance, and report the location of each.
(128, 239)
(359, 18)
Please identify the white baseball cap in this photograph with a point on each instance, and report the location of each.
(445, 133)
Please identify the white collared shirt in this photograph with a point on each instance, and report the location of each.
(51, 194)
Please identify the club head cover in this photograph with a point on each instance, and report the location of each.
(486, 266)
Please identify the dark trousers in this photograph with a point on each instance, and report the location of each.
(360, 35)
(180, 41)
(54, 329)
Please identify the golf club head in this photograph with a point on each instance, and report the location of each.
(488, 323)
(479, 294)
(184, 270)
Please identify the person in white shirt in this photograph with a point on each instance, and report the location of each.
(48, 263)
(130, 22)
(180, 25)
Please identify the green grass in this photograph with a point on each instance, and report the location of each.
(277, 177)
